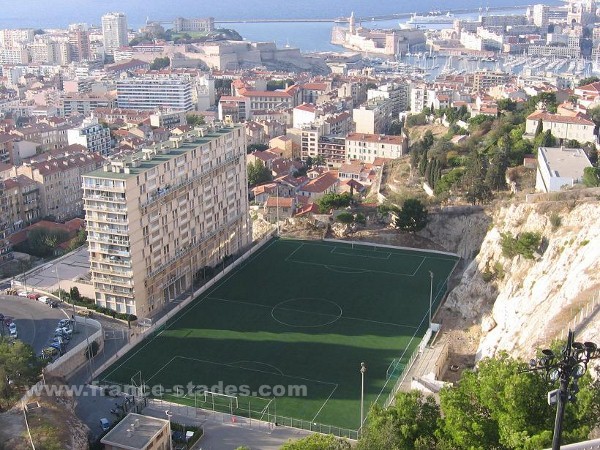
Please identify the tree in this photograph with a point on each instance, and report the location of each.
(428, 139)
(540, 127)
(195, 119)
(318, 442)
(591, 176)
(412, 216)
(333, 201)
(18, 367)
(588, 80)
(160, 63)
(409, 423)
(74, 294)
(500, 407)
(256, 147)
(258, 173)
(395, 128)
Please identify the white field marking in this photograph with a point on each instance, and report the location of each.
(316, 313)
(291, 254)
(330, 267)
(417, 269)
(324, 403)
(236, 364)
(384, 255)
(159, 370)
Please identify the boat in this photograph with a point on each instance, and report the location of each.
(434, 17)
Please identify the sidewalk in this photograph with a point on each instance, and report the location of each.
(226, 432)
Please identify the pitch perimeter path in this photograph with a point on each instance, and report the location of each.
(284, 334)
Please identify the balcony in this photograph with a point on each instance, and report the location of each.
(106, 198)
(104, 188)
(182, 251)
(111, 271)
(112, 262)
(162, 192)
(112, 281)
(103, 288)
(112, 252)
(95, 207)
(108, 220)
(104, 239)
(90, 226)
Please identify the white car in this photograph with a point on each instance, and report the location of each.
(22, 293)
(12, 328)
(44, 299)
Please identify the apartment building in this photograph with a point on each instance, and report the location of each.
(114, 31)
(22, 202)
(91, 135)
(368, 147)
(48, 137)
(79, 42)
(85, 103)
(577, 127)
(157, 217)
(5, 248)
(16, 38)
(58, 175)
(171, 93)
(485, 79)
(374, 116)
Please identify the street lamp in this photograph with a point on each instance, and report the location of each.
(572, 364)
(430, 295)
(363, 369)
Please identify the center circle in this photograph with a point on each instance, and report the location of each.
(306, 312)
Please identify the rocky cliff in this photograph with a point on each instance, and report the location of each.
(522, 304)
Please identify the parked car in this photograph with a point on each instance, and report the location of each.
(50, 351)
(43, 299)
(12, 328)
(33, 295)
(65, 323)
(22, 293)
(104, 424)
(52, 304)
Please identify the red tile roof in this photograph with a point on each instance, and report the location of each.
(549, 117)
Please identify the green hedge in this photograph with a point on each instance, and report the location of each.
(88, 303)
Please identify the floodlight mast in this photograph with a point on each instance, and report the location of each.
(572, 366)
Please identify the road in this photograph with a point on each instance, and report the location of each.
(36, 321)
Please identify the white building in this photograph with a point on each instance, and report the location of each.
(576, 128)
(114, 31)
(172, 93)
(367, 147)
(559, 167)
(92, 136)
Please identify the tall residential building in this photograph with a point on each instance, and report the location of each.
(114, 31)
(541, 16)
(5, 248)
(79, 42)
(91, 135)
(166, 93)
(157, 217)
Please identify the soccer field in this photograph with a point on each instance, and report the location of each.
(297, 313)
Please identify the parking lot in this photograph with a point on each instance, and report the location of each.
(36, 321)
